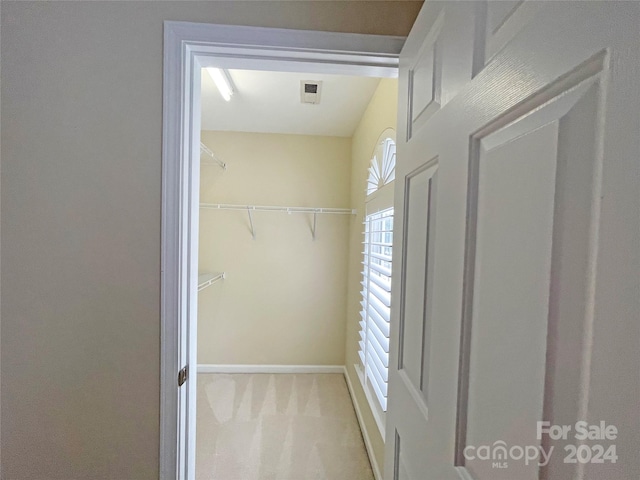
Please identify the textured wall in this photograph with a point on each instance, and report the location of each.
(81, 172)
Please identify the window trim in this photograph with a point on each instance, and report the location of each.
(378, 415)
(378, 200)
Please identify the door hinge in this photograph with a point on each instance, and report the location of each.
(183, 375)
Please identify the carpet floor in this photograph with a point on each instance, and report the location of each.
(278, 427)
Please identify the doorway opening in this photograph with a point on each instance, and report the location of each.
(283, 182)
(188, 50)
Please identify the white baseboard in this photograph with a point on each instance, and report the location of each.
(208, 368)
(363, 428)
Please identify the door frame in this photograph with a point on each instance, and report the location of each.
(188, 47)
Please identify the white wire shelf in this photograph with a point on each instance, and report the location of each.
(268, 208)
(315, 211)
(207, 279)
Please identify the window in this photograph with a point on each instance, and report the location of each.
(383, 166)
(376, 302)
(376, 277)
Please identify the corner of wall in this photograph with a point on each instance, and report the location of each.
(374, 457)
(380, 114)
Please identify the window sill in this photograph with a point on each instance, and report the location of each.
(376, 410)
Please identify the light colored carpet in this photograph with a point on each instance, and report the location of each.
(278, 427)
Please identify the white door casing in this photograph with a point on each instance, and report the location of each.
(188, 47)
(518, 233)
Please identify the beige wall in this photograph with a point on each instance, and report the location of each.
(81, 175)
(284, 298)
(380, 115)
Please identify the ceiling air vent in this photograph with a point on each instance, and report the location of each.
(310, 91)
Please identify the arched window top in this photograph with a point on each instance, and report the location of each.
(383, 164)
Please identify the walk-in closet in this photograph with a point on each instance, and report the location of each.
(285, 163)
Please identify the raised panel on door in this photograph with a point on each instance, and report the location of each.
(426, 77)
(531, 197)
(499, 12)
(505, 19)
(443, 61)
(400, 471)
(417, 271)
(508, 320)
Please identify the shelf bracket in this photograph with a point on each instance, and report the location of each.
(208, 279)
(253, 232)
(315, 220)
(205, 150)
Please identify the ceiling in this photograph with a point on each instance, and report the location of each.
(269, 102)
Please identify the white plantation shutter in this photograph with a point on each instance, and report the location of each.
(376, 301)
(376, 277)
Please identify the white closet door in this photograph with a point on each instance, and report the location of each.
(517, 228)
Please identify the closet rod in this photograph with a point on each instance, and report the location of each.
(267, 208)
